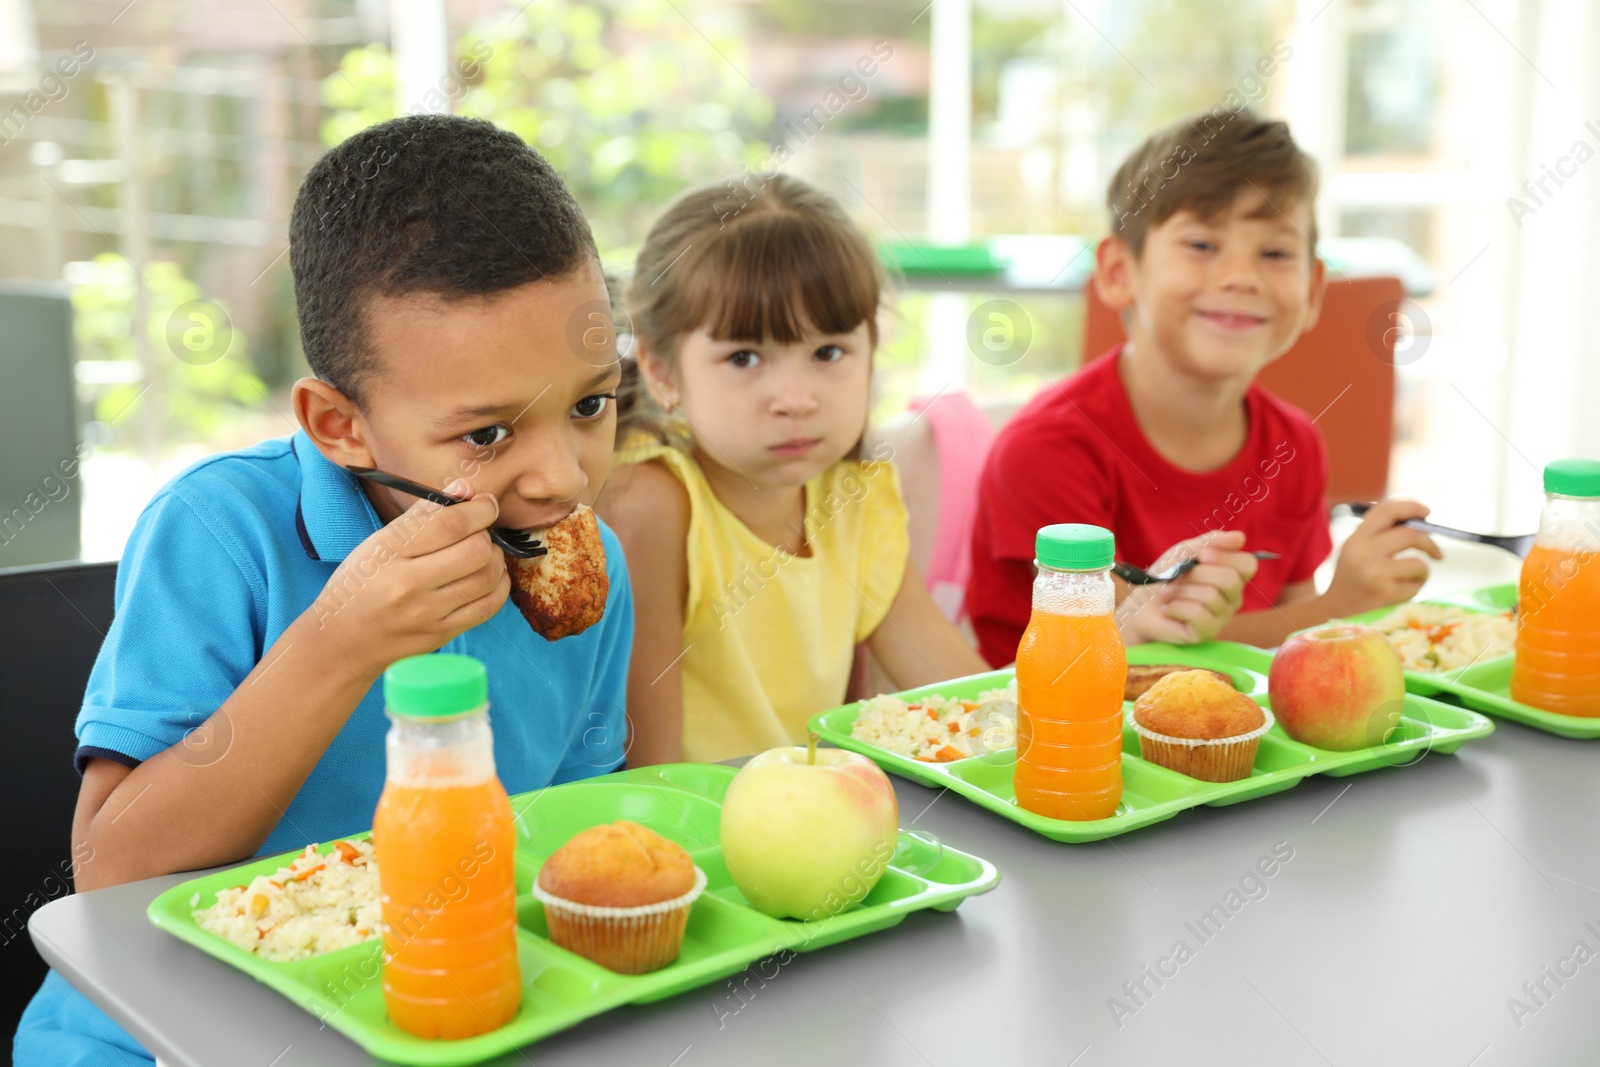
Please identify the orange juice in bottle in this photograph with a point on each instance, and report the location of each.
(444, 840)
(1558, 615)
(1071, 669)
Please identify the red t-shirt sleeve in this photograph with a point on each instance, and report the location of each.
(1039, 472)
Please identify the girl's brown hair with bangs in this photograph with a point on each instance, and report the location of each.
(771, 267)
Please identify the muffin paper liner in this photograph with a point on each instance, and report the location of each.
(626, 940)
(1210, 759)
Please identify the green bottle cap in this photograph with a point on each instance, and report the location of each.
(1075, 546)
(436, 686)
(1573, 477)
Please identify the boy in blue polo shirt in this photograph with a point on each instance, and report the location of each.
(448, 288)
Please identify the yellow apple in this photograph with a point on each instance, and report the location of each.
(807, 832)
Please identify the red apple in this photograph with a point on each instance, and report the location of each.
(807, 832)
(1340, 687)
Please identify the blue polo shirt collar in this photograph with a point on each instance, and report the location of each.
(334, 515)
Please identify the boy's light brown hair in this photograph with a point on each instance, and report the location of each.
(1201, 164)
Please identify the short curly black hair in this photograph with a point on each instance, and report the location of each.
(426, 203)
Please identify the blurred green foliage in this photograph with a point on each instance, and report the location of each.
(628, 99)
(842, 18)
(1188, 59)
(197, 400)
(998, 36)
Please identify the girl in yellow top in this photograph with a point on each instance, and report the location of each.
(761, 545)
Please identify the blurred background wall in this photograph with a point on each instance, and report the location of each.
(150, 151)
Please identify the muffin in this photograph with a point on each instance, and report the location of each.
(1193, 723)
(1141, 676)
(619, 895)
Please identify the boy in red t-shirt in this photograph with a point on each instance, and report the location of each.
(1167, 441)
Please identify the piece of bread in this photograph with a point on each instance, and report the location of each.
(1194, 704)
(618, 865)
(564, 591)
(1142, 676)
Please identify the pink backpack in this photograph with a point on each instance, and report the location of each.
(962, 435)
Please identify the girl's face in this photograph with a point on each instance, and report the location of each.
(777, 414)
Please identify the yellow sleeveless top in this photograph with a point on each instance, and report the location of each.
(769, 636)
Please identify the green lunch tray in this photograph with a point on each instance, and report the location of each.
(1486, 686)
(1151, 793)
(682, 802)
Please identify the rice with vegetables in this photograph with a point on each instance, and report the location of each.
(1432, 637)
(316, 904)
(937, 729)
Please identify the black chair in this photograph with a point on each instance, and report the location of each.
(52, 620)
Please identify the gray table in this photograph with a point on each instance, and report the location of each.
(1417, 902)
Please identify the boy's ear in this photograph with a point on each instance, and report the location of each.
(1319, 287)
(1112, 262)
(332, 421)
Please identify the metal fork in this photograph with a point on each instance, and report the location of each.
(1134, 576)
(517, 542)
(1517, 545)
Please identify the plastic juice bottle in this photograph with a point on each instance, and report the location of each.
(444, 839)
(1071, 670)
(1558, 618)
